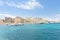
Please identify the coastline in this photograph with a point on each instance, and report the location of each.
(26, 23)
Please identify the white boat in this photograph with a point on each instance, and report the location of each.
(17, 24)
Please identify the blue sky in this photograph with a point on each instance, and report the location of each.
(33, 8)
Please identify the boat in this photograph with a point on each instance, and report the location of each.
(17, 24)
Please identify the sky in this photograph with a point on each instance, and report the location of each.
(48, 9)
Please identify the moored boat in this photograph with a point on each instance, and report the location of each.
(17, 24)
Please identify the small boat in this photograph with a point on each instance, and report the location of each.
(19, 24)
(10, 24)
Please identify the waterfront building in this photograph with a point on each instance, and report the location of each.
(19, 20)
(33, 20)
(8, 20)
(1, 21)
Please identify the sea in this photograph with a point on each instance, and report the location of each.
(30, 32)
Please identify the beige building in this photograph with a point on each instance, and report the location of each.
(28, 20)
(8, 20)
(37, 20)
(19, 20)
(1, 21)
(33, 20)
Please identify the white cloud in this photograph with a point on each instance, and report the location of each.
(10, 4)
(58, 15)
(6, 15)
(31, 4)
(56, 18)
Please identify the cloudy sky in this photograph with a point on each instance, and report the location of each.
(34, 8)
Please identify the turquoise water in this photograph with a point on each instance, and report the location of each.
(30, 32)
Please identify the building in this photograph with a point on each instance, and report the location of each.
(37, 20)
(33, 20)
(1, 21)
(19, 20)
(8, 20)
(28, 20)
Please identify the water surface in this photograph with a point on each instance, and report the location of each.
(30, 32)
